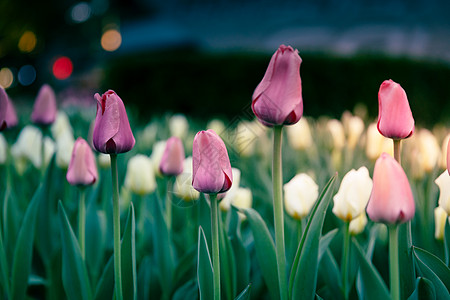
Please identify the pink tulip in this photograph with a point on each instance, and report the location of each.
(277, 100)
(44, 109)
(211, 168)
(448, 157)
(173, 157)
(112, 132)
(82, 168)
(395, 119)
(8, 116)
(391, 200)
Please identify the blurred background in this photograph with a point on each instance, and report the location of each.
(205, 57)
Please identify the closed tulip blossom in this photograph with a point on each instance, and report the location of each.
(171, 163)
(391, 200)
(353, 194)
(358, 224)
(395, 118)
(183, 184)
(8, 116)
(277, 100)
(140, 178)
(300, 194)
(82, 169)
(443, 182)
(448, 156)
(44, 109)
(211, 166)
(112, 132)
(440, 218)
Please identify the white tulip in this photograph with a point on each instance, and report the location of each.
(225, 203)
(246, 137)
(183, 183)
(337, 132)
(104, 160)
(64, 147)
(3, 149)
(140, 178)
(429, 150)
(178, 126)
(358, 224)
(217, 126)
(443, 182)
(61, 125)
(443, 159)
(376, 143)
(353, 194)
(440, 218)
(157, 153)
(300, 194)
(354, 130)
(299, 135)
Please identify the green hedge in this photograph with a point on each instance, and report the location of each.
(221, 84)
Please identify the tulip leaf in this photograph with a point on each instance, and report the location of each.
(11, 223)
(128, 257)
(105, 285)
(205, 271)
(144, 278)
(432, 268)
(23, 252)
(330, 273)
(74, 274)
(424, 290)
(325, 241)
(163, 248)
(302, 282)
(189, 290)
(4, 274)
(374, 286)
(265, 251)
(245, 294)
(227, 263)
(185, 267)
(405, 259)
(241, 255)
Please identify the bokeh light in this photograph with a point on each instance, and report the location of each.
(6, 78)
(111, 40)
(27, 42)
(80, 12)
(62, 68)
(26, 75)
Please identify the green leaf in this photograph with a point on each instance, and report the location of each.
(163, 248)
(434, 270)
(227, 263)
(23, 252)
(4, 269)
(303, 278)
(185, 268)
(424, 290)
(325, 241)
(144, 278)
(128, 254)
(189, 290)
(245, 294)
(11, 222)
(105, 285)
(241, 255)
(330, 273)
(374, 286)
(265, 251)
(74, 273)
(204, 268)
(405, 260)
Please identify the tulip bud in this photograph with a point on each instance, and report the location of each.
(112, 132)
(3, 149)
(444, 150)
(44, 109)
(299, 135)
(336, 130)
(104, 160)
(8, 116)
(82, 169)
(355, 128)
(216, 125)
(140, 178)
(173, 157)
(377, 143)
(156, 156)
(448, 157)
(178, 126)
(300, 194)
(183, 183)
(64, 148)
(395, 118)
(247, 136)
(443, 182)
(277, 100)
(440, 218)
(353, 194)
(211, 166)
(227, 198)
(61, 125)
(358, 224)
(391, 200)
(429, 150)
(29, 144)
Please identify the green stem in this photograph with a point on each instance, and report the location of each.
(278, 212)
(116, 226)
(44, 131)
(397, 150)
(82, 222)
(345, 259)
(169, 203)
(394, 273)
(215, 245)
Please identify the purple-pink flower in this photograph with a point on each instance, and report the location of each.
(8, 116)
(391, 200)
(44, 109)
(173, 157)
(395, 119)
(211, 168)
(277, 100)
(112, 133)
(82, 168)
